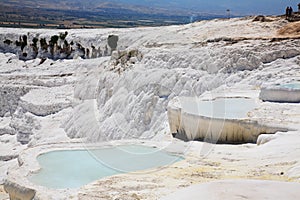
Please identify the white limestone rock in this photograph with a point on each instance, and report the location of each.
(46, 101)
(239, 189)
(10, 97)
(214, 124)
(280, 94)
(5, 127)
(131, 103)
(17, 192)
(264, 138)
(24, 123)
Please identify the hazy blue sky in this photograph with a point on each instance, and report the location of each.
(219, 6)
(238, 7)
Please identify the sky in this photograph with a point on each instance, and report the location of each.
(240, 7)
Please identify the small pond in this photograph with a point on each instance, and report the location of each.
(75, 168)
(294, 86)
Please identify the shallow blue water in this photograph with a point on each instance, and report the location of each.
(291, 85)
(74, 168)
(221, 108)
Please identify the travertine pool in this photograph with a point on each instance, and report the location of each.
(74, 168)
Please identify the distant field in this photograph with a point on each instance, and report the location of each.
(48, 18)
(13, 15)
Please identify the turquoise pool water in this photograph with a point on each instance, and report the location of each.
(74, 168)
(220, 108)
(291, 86)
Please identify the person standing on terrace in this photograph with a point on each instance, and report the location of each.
(287, 11)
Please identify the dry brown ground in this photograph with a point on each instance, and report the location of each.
(3, 194)
(292, 29)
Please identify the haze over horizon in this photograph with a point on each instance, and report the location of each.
(241, 8)
(129, 13)
(246, 7)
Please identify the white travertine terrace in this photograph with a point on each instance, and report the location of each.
(222, 120)
(49, 103)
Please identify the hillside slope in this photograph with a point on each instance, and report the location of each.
(124, 95)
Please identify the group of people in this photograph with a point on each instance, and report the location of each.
(288, 12)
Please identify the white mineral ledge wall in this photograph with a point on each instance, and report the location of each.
(187, 126)
(280, 94)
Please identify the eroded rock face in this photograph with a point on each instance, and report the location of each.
(18, 192)
(122, 60)
(82, 122)
(10, 97)
(46, 101)
(112, 42)
(24, 123)
(57, 46)
(5, 128)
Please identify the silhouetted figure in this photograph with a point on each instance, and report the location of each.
(290, 11)
(287, 11)
(298, 7)
(228, 13)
